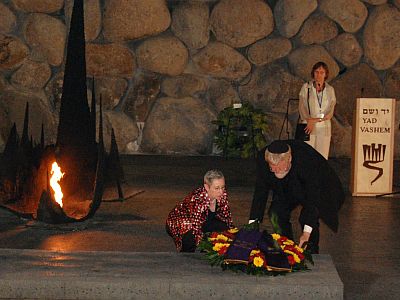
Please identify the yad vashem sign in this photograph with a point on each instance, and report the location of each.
(373, 147)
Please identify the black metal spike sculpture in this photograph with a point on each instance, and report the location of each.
(26, 144)
(74, 125)
(12, 143)
(101, 137)
(42, 138)
(9, 156)
(75, 151)
(50, 211)
(114, 169)
(100, 170)
(75, 148)
(25, 160)
(9, 165)
(25, 138)
(92, 138)
(27, 166)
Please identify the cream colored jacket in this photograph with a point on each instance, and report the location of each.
(327, 106)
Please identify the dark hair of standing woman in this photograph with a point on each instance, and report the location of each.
(318, 65)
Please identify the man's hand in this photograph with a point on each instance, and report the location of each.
(304, 238)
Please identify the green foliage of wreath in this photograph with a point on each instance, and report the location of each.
(236, 128)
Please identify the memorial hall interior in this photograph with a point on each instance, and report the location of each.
(151, 95)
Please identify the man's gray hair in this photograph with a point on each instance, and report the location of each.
(275, 158)
(211, 175)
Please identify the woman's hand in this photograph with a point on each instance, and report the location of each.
(310, 124)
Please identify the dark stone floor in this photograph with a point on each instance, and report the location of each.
(365, 250)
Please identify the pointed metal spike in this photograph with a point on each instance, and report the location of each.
(120, 192)
(25, 134)
(113, 141)
(74, 123)
(101, 138)
(93, 115)
(11, 146)
(115, 169)
(42, 138)
(10, 154)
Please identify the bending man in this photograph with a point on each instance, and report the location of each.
(297, 175)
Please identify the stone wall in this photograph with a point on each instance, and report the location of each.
(165, 69)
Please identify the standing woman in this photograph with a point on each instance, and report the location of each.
(316, 107)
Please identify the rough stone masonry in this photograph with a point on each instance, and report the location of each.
(165, 69)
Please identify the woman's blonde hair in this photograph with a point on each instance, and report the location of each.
(211, 175)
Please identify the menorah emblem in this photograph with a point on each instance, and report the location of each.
(373, 155)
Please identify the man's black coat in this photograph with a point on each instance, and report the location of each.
(310, 182)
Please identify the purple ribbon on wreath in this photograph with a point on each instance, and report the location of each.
(239, 251)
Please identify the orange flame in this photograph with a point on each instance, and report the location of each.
(56, 176)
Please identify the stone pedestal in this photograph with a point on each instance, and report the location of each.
(37, 274)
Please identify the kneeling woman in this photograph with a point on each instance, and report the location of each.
(205, 209)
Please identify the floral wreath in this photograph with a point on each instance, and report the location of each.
(254, 252)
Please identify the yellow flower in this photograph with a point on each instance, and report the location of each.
(220, 237)
(254, 252)
(258, 261)
(276, 236)
(296, 258)
(301, 250)
(288, 242)
(289, 252)
(218, 246)
(233, 230)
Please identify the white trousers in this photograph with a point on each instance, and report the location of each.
(321, 143)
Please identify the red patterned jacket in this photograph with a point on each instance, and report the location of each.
(192, 212)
